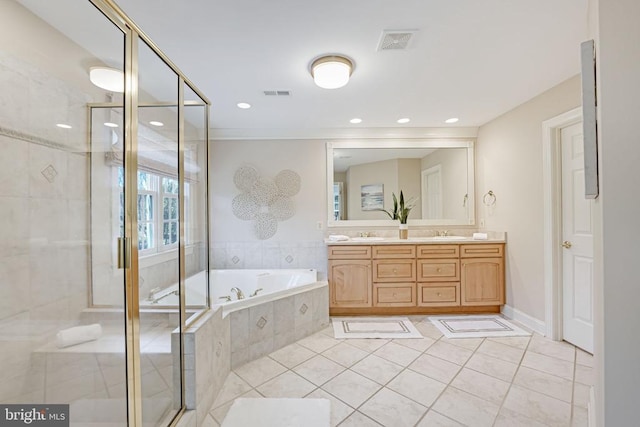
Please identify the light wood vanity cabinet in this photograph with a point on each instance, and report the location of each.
(409, 278)
(350, 276)
(482, 274)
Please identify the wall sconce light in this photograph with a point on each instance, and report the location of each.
(332, 71)
(106, 78)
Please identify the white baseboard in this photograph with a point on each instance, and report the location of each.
(526, 320)
(591, 408)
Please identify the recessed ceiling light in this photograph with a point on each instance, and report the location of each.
(106, 78)
(243, 105)
(355, 121)
(404, 120)
(452, 120)
(111, 125)
(155, 123)
(63, 126)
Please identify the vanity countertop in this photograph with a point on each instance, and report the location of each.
(448, 240)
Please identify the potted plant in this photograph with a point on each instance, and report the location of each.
(400, 212)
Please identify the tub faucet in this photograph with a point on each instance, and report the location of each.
(238, 291)
(255, 292)
(226, 298)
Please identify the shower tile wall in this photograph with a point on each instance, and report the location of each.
(44, 252)
(246, 255)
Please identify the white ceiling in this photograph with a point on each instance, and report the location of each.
(472, 59)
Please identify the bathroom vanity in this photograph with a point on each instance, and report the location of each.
(393, 276)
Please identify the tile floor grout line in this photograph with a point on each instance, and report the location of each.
(511, 382)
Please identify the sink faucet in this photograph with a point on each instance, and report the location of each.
(364, 234)
(443, 233)
(238, 291)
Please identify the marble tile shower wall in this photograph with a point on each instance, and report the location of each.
(44, 251)
(246, 255)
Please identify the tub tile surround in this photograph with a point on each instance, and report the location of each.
(270, 255)
(394, 387)
(259, 330)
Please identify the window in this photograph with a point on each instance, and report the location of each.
(158, 211)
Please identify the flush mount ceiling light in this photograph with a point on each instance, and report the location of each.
(451, 120)
(332, 71)
(106, 78)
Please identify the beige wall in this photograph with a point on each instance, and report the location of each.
(509, 162)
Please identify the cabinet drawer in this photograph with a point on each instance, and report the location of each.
(439, 270)
(394, 270)
(350, 252)
(394, 294)
(438, 251)
(394, 251)
(438, 294)
(481, 251)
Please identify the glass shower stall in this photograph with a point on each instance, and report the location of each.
(103, 189)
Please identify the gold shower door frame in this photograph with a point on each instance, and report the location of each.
(133, 35)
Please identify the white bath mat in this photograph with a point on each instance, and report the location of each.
(476, 326)
(374, 327)
(278, 412)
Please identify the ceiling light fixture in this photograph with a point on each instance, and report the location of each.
(404, 120)
(332, 71)
(106, 78)
(110, 125)
(355, 121)
(243, 105)
(63, 126)
(155, 123)
(451, 120)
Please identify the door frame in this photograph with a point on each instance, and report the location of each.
(552, 203)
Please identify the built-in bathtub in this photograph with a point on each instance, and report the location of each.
(289, 305)
(259, 286)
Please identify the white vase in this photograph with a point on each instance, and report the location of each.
(403, 231)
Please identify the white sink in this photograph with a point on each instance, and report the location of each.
(448, 238)
(367, 239)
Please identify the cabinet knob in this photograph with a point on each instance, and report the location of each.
(439, 270)
(395, 271)
(438, 294)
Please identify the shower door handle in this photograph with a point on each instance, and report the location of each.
(123, 253)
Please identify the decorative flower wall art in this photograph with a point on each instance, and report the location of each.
(264, 201)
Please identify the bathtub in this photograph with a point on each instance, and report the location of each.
(270, 284)
(274, 284)
(195, 294)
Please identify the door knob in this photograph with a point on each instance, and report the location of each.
(566, 244)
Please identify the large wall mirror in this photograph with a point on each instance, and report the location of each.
(437, 174)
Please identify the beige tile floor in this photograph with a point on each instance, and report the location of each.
(433, 381)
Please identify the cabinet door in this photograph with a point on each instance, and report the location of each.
(482, 281)
(350, 283)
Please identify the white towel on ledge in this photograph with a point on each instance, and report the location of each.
(480, 236)
(338, 237)
(78, 335)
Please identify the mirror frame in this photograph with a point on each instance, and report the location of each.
(469, 144)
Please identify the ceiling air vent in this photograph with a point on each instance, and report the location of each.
(277, 93)
(395, 39)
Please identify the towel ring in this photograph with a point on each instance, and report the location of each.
(489, 199)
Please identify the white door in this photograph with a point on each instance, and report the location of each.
(431, 193)
(577, 236)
